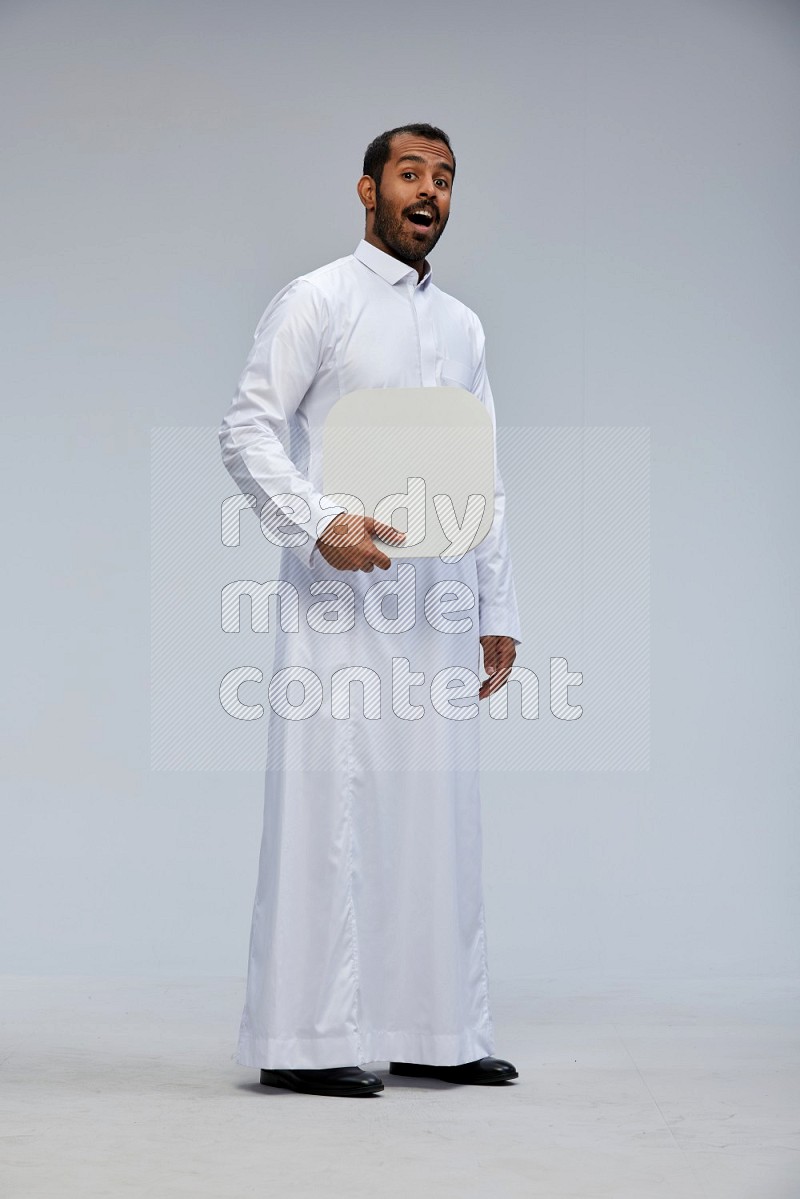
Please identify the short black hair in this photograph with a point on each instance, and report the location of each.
(380, 148)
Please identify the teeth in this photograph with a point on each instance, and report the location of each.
(422, 212)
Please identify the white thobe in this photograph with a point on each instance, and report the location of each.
(367, 940)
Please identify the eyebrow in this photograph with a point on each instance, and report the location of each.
(440, 166)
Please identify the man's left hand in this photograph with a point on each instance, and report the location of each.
(498, 658)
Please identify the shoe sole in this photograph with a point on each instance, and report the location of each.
(476, 1082)
(310, 1089)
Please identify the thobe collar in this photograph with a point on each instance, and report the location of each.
(389, 268)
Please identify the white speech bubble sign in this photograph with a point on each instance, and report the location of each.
(419, 458)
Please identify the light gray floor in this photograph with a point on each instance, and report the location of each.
(632, 1090)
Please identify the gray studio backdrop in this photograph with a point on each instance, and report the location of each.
(625, 224)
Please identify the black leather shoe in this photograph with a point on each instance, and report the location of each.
(341, 1080)
(484, 1070)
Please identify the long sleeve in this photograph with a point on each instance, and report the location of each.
(287, 351)
(497, 601)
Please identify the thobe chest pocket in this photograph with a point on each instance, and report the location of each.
(457, 374)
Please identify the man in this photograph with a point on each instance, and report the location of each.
(367, 941)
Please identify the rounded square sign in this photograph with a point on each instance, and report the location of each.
(418, 458)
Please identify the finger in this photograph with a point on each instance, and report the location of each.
(387, 533)
(380, 559)
(382, 530)
(499, 679)
(381, 526)
(494, 683)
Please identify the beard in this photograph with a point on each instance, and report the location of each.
(410, 243)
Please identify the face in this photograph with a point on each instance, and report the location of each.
(418, 177)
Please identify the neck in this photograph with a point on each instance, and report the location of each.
(420, 265)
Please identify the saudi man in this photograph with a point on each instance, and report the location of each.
(367, 941)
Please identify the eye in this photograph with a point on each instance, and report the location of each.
(444, 181)
(408, 172)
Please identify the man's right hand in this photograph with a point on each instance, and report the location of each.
(347, 545)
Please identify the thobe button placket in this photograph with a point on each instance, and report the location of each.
(427, 340)
(409, 282)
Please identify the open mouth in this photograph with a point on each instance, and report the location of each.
(421, 217)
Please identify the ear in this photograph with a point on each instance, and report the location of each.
(366, 191)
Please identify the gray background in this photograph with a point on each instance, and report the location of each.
(625, 223)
